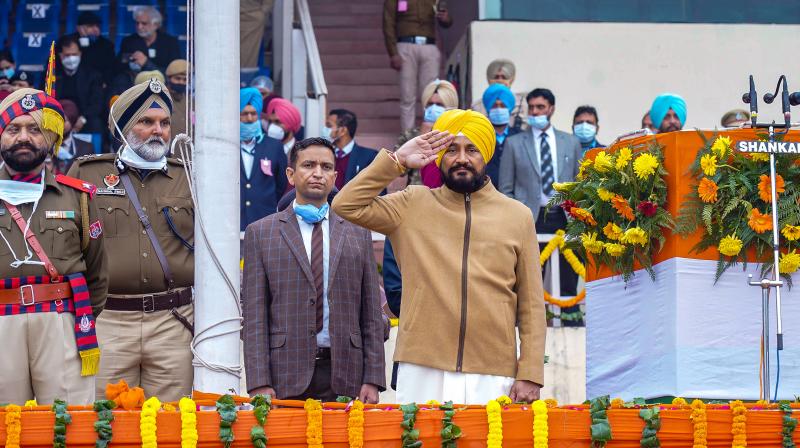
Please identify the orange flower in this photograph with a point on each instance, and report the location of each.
(765, 189)
(583, 215)
(125, 397)
(622, 207)
(759, 222)
(707, 190)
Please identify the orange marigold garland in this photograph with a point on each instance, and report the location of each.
(700, 424)
(314, 421)
(355, 424)
(739, 426)
(13, 425)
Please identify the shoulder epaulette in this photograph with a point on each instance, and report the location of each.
(80, 185)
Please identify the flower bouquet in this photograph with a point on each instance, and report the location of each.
(731, 203)
(617, 208)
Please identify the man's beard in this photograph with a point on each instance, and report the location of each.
(153, 149)
(463, 185)
(24, 162)
(669, 127)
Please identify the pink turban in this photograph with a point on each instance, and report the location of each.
(286, 112)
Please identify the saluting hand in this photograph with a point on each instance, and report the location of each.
(423, 149)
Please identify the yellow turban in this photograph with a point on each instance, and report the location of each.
(45, 110)
(473, 125)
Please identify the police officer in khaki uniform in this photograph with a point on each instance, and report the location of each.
(54, 282)
(148, 217)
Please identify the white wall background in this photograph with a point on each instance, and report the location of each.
(621, 67)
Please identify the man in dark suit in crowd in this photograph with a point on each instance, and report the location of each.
(532, 161)
(263, 163)
(97, 51)
(161, 48)
(310, 294)
(340, 129)
(80, 83)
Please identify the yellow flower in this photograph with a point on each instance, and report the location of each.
(612, 231)
(759, 157)
(635, 235)
(540, 427)
(563, 187)
(604, 194)
(730, 245)
(645, 165)
(739, 426)
(699, 423)
(188, 422)
(147, 422)
(31, 403)
(313, 423)
(721, 146)
(494, 439)
(355, 425)
(789, 262)
(590, 243)
(709, 164)
(790, 232)
(551, 403)
(504, 400)
(624, 156)
(433, 403)
(678, 401)
(614, 249)
(617, 403)
(168, 407)
(585, 163)
(602, 162)
(13, 425)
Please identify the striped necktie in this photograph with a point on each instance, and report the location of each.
(546, 166)
(318, 269)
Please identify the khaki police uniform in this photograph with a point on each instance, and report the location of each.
(143, 333)
(40, 356)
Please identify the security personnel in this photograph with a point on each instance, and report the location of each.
(147, 212)
(54, 282)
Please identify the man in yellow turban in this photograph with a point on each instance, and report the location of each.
(468, 256)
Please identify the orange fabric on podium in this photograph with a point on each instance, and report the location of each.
(680, 150)
(286, 428)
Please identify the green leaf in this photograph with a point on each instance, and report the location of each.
(258, 437)
(343, 399)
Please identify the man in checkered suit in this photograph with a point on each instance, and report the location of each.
(313, 326)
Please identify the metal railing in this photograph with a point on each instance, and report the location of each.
(297, 64)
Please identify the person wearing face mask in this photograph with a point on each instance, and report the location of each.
(340, 129)
(57, 278)
(148, 216)
(499, 101)
(77, 82)
(585, 126)
(437, 97)
(533, 160)
(7, 72)
(150, 43)
(97, 51)
(284, 122)
(503, 71)
(263, 163)
(127, 71)
(176, 82)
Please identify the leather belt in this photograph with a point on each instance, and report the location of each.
(150, 302)
(32, 294)
(419, 40)
(323, 353)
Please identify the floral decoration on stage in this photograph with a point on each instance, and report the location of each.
(731, 205)
(617, 208)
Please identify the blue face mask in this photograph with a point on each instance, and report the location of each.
(249, 131)
(539, 121)
(326, 133)
(585, 132)
(433, 112)
(134, 67)
(311, 214)
(499, 116)
(8, 73)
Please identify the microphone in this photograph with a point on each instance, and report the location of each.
(769, 98)
(751, 98)
(794, 99)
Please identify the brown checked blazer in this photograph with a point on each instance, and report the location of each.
(279, 313)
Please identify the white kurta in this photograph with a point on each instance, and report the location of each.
(420, 384)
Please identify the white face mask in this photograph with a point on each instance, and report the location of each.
(71, 63)
(16, 193)
(276, 132)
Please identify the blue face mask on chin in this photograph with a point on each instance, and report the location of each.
(539, 121)
(311, 214)
(249, 131)
(9, 73)
(585, 132)
(432, 113)
(499, 116)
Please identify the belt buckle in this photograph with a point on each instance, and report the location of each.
(22, 295)
(420, 40)
(152, 303)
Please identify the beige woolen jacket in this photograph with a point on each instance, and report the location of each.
(470, 267)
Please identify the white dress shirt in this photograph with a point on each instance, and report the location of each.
(288, 146)
(348, 148)
(247, 156)
(551, 139)
(323, 337)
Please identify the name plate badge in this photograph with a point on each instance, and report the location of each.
(754, 146)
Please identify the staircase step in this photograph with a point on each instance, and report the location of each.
(368, 46)
(362, 61)
(360, 77)
(374, 21)
(343, 93)
(369, 109)
(347, 34)
(373, 8)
